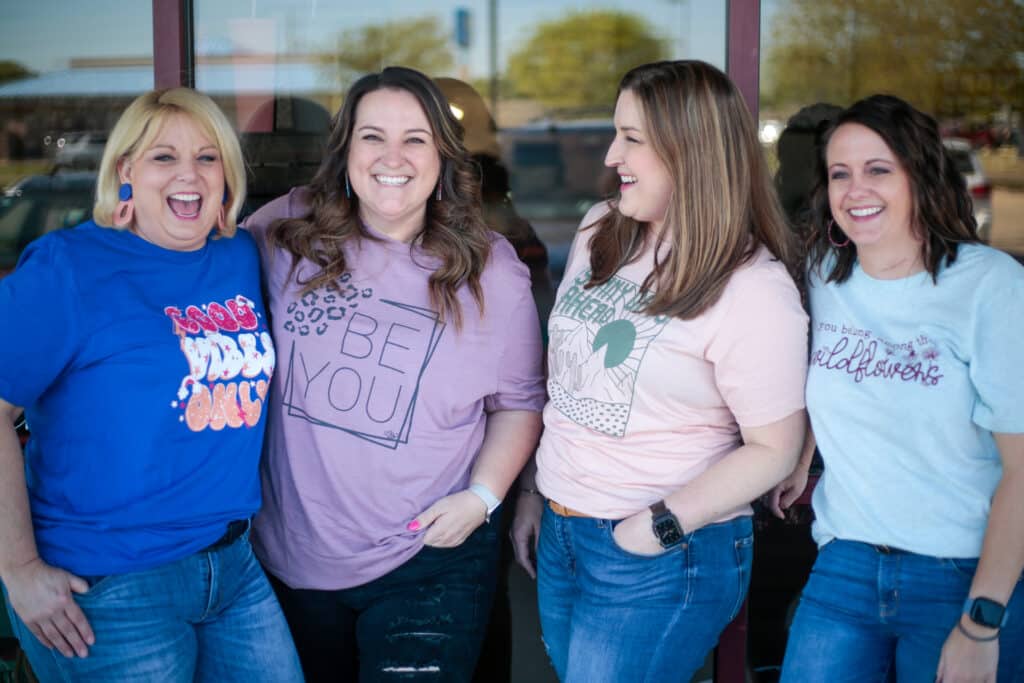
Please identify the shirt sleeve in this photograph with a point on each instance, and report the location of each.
(39, 307)
(759, 351)
(997, 359)
(520, 377)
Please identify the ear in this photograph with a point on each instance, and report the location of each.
(124, 170)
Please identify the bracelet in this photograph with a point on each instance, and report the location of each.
(526, 489)
(971, 636)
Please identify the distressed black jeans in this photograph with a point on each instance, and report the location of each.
(424, 621)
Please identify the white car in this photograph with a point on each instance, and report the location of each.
(967, 162)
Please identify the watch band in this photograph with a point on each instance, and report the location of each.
(986, 612)
(666, 526)
(487, 496)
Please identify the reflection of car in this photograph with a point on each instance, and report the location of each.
(40, 204)
(967, 162)
(81, 150)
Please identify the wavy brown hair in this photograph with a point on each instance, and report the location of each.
(941, 214)
(723, 206)
(454, 230)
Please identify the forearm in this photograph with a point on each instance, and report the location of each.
(509, 441)
(1002, 555)
(17, 542)
(741, 476)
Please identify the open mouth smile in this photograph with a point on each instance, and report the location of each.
(185, 205)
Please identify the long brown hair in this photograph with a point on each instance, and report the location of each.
(454, 229)
(941, 216)
(723, 205)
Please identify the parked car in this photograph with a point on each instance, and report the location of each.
(967, 162)
(81, 150)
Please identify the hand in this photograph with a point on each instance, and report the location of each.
(786, 492)
(451, 520)
(525, 531)
(41, 597)
(635, 535)
(964, 660)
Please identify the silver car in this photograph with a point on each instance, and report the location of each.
(967, 162)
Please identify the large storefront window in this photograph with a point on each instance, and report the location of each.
(534, 81)
(64, 80)
(962, 62)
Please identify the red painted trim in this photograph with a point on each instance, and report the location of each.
(170, 48)
(743, 49)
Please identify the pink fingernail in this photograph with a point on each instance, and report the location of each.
(413, 526)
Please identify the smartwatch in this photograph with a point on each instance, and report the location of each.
(666, 526)
(986, 612)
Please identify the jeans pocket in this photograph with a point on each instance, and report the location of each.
(610, 530)
(965, 567)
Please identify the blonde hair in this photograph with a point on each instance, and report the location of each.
(138, 127)
(723, 205)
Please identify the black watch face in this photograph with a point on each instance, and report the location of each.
(987, 613)
(668, 531)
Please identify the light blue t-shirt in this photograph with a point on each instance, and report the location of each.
(908, 379)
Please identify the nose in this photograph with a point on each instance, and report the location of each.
(392, 154)
(613, 157)
(187, 169)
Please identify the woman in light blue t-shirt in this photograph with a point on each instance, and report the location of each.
(914, 391)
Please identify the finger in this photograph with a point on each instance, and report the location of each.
(77, 617)
(71, 634)
(773, 503)
(78, 584)
(56, 638)
(790, 496)
(40, 636)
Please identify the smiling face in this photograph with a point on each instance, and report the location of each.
(869, 192)
(393, 162)
(645, 184)
(177, 186)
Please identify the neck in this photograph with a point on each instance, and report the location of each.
(889, 264)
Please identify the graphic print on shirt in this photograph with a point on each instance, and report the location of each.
(862, 355)
(367, 386)
(231, 360)
(598, 342)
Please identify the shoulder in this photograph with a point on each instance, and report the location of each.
(503, 260)
(985, 263)
(80, 241)
(291, 205)
(763, 276)
(595, 213)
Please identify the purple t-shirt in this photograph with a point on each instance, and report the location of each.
(378, 409)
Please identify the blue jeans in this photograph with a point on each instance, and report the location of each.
(423, 621)
(609, 616)
(208, 617)
(866, 615)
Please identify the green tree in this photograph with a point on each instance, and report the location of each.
(421, 44)
(12, 71)
(948, 57)
(577, 61)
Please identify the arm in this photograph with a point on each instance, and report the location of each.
(792, 487)
(525, 531)
(509, 439)
(768, 454)
(1000, 566)
(39, 594)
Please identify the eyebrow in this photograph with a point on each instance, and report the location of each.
(407, 131)
(866, 161)
(172, 147)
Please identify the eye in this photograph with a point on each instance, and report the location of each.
(838, 175)
(878, 170)
(208, 158)
(635, 141)
(371, 137)
(163, 156)
(416, 141)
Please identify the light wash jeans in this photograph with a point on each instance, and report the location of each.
(211, 616)
(609, 616)
(867, 616)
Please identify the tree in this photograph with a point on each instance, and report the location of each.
(12, 71)
(421, 44)
(948, 57)
(577, 61)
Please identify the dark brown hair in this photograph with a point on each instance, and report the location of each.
(941, 215)
(454, 230)
(723, 206)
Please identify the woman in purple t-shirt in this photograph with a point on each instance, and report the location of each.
(410, 359)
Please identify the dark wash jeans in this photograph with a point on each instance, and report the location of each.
(423, 621)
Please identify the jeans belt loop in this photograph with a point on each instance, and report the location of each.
(564, 511)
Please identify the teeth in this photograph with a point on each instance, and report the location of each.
(392, 179)
(861, 213)
(185, 196)
(629, 179)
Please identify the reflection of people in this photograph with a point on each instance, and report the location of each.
(411, 391)
(142, 365)
(499, 212)
(676, 372)
(796, 150)
(918, 509)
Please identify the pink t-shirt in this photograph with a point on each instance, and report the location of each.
(641, 405)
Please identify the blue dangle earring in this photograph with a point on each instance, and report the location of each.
(348, 190)
(125, 208)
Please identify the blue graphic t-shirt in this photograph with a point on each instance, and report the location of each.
(143, 373)
(908, 379)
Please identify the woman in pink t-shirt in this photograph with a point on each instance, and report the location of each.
(678, 351)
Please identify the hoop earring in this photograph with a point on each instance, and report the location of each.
(837, 245)
(438, 195)
(125, 208)
(348, 190)
(221, 219)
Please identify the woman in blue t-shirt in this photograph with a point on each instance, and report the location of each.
(138, 347)
(914, 392)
